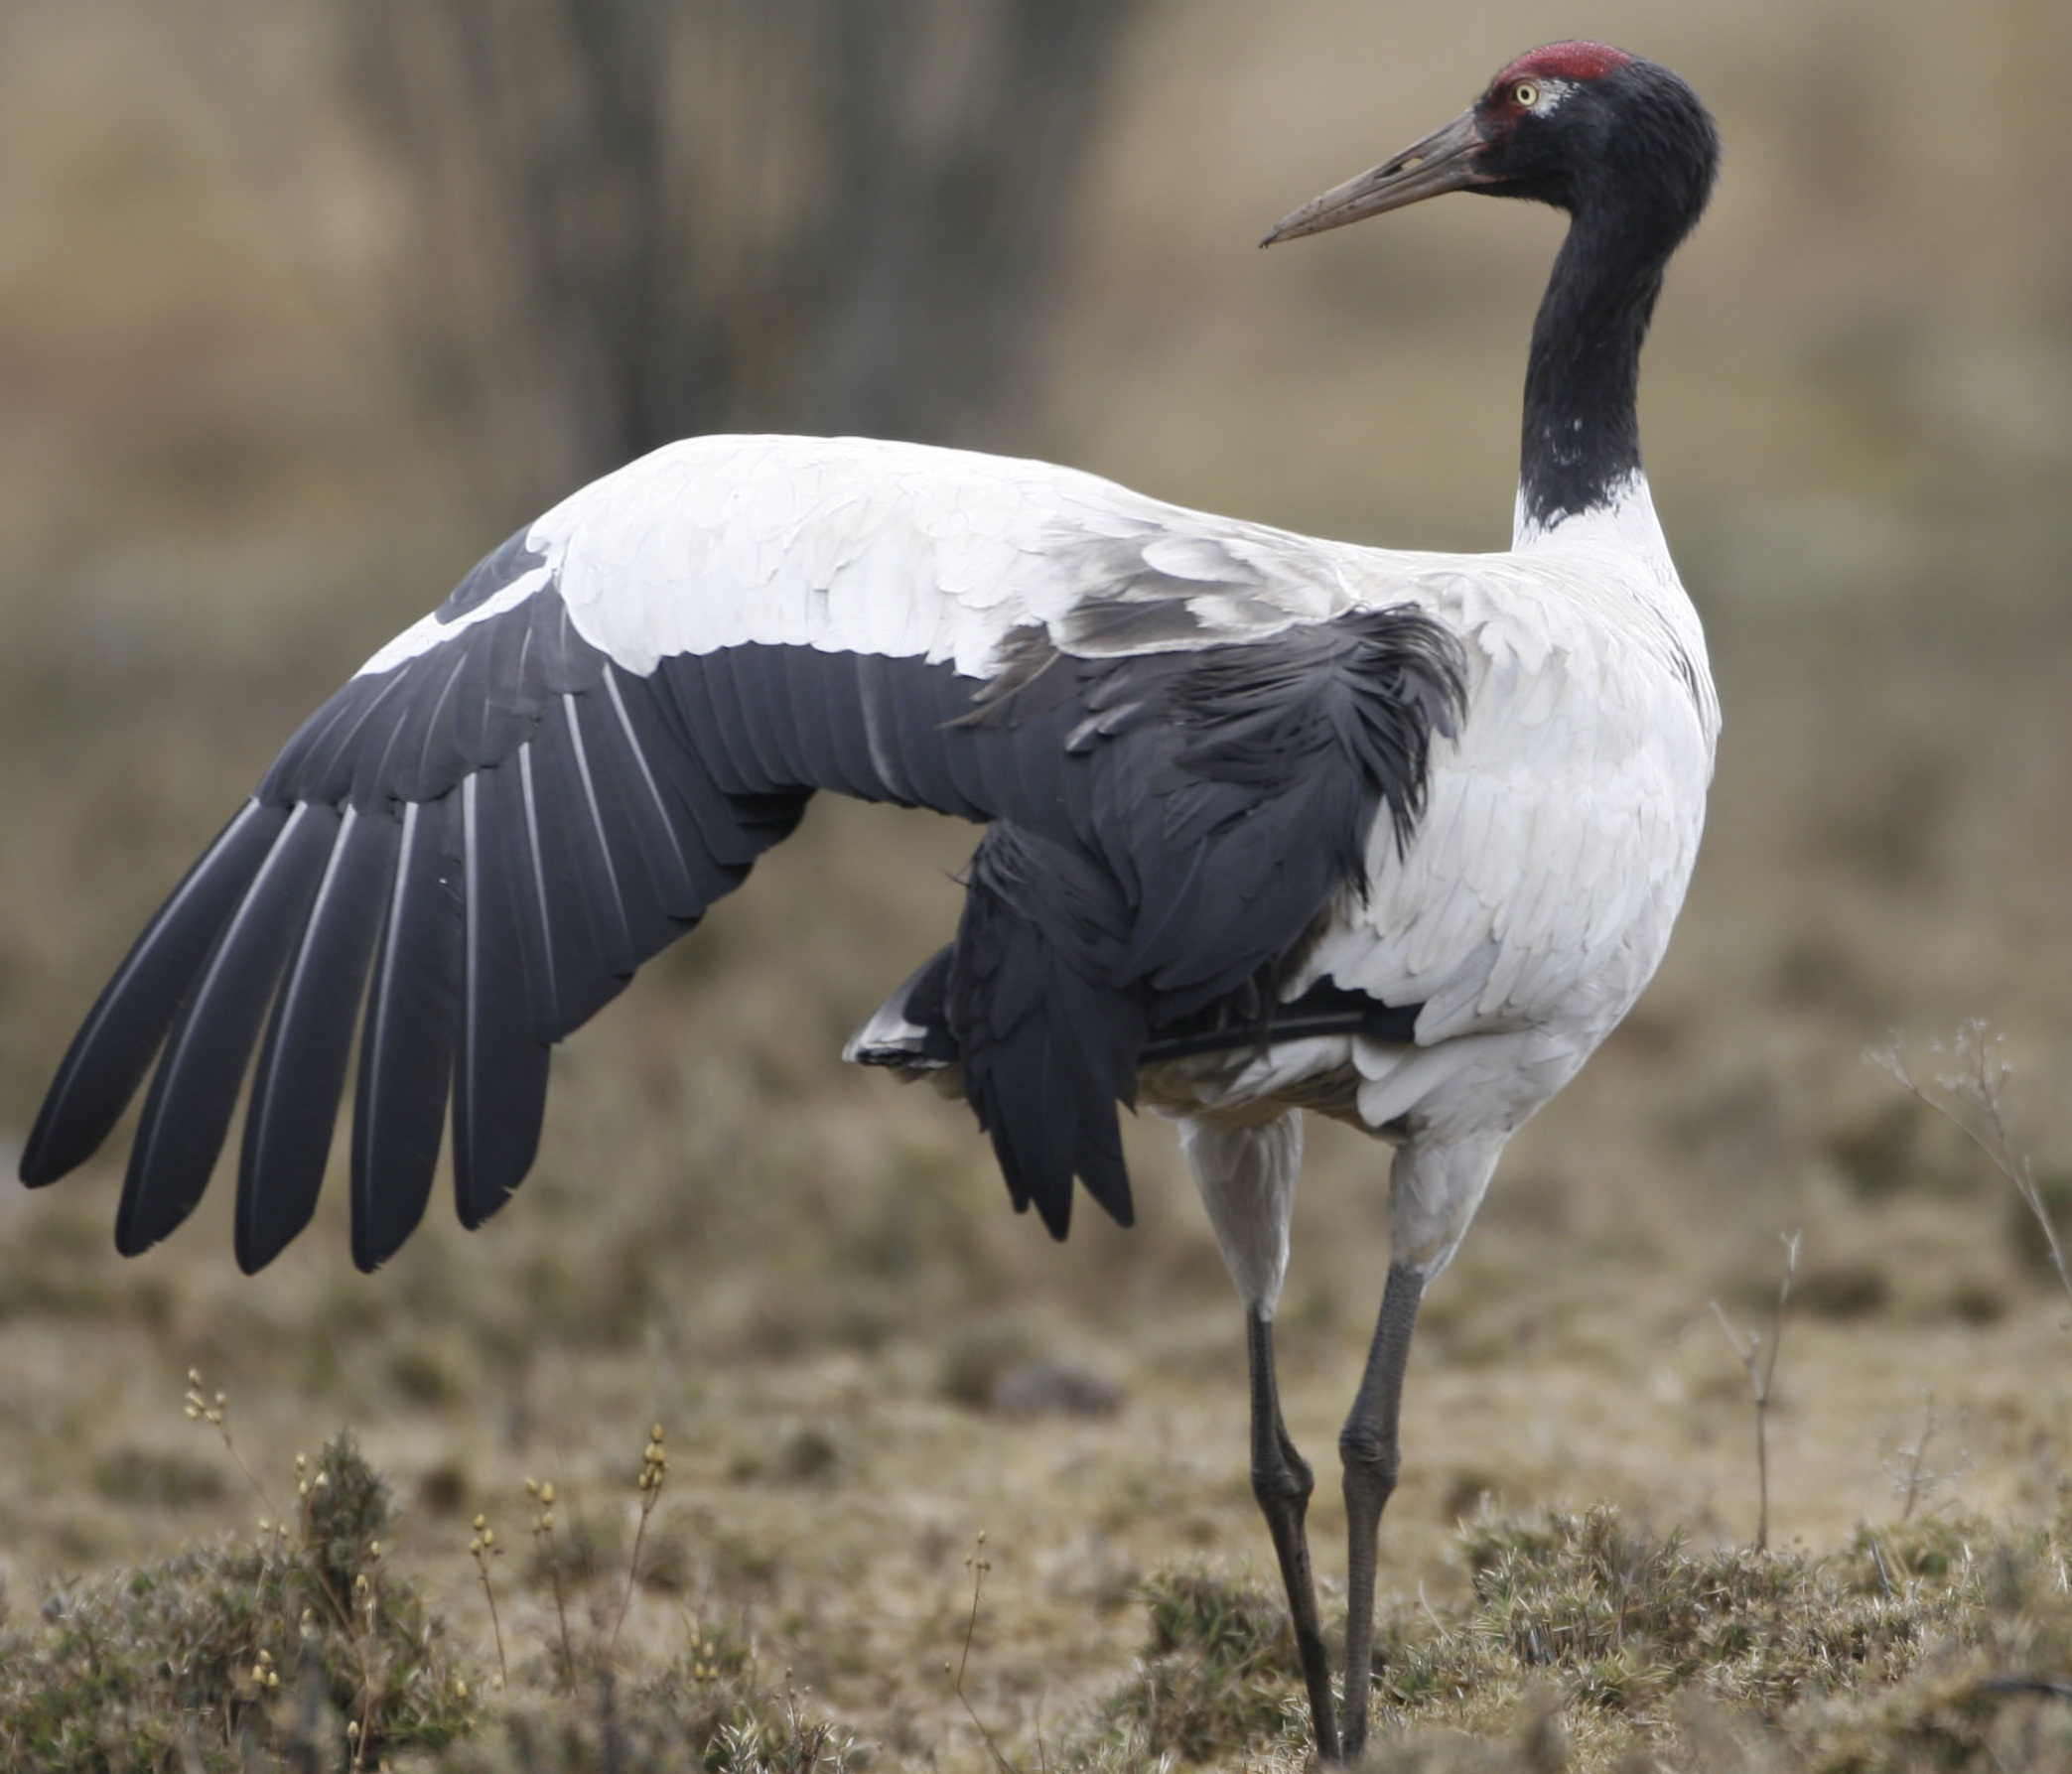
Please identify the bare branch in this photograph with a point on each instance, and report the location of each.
(1913, 1477)
(1974, 1100)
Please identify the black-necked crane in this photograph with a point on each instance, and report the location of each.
(1271, 824)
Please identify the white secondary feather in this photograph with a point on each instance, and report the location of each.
(899, 549)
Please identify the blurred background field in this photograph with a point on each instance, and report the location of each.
(229, 467)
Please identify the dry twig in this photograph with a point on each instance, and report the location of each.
(1761, 1362)
(1974, 1100)
(1913, 1477)
(978, 1565)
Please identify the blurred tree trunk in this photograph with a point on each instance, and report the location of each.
(647, 219)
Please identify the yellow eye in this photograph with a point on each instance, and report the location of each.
(1525, 95)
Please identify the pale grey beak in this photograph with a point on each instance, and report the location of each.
(1446, 160)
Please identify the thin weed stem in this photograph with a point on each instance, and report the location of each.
(1913, 1477)
(543, 1532)
(1917, 1461)
(216, 1411)
(363, 1635)
(200, 1406)
(978, 1565)
(1760, 1361)
(482, 1547)
(654, 1467)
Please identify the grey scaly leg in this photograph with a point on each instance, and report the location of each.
(1367, 1445)
(1281, 1481)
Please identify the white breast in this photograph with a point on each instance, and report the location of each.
(1560, 828)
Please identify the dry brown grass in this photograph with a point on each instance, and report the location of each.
(218, 494)
(1569, 1641)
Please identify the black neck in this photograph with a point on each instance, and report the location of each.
(1582, 438)
(1635, 155)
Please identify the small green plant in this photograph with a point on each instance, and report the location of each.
(301, 1649)
(297, 1643)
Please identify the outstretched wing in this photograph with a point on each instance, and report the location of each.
(471, 848)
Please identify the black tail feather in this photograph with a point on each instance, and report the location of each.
(1050, 1049)
(901, 716)
(703, 695)
(791, 694)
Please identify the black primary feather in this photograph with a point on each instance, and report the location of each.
(499, 1064)
(187, 1113)
(301, 1073)
(406, 1053)
(115, 1044)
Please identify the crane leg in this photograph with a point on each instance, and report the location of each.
(1367, 1445)
(1281, 1481)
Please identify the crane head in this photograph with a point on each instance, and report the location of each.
(1570, 124)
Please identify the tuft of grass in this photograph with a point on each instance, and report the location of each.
(1217, 1677)
(1616, 1619)
(1587, 1642)
(301, 1649)
(298, 1643)
(707, 1711)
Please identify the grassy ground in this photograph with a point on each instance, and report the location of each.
(1555, 1642)
(218, 492)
